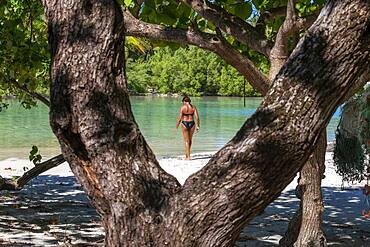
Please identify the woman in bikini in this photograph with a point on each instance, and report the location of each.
(186, 119)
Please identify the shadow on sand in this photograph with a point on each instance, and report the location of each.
(49, 211)
(342, 222)
(54, 210)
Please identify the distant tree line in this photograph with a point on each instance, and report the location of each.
(187, 70)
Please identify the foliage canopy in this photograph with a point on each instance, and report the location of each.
(25, 57)
(24, 50)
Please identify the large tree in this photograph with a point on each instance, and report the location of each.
(140, 204)
(285, 22)
(273, 36)
(221, 27)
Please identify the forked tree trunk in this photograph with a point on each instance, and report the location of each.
(305, 227)
(140, 204)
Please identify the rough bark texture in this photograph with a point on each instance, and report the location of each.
(311, 233)
(310, 173)
(310, 176)
(140, 204)
(305, 227)
(92, 118)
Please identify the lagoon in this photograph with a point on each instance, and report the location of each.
(221, 118)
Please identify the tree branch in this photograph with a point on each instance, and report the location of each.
(290, 10)
(291, 26)
(279, 53)
(10, 184)
(274, 144)
(271, 14)
(232, 25)
(214, 43)
(34, 95)
(305, 22)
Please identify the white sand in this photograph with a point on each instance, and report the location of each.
(53, 209)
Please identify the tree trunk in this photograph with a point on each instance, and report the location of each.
(305, 227)
(311, 233)
(142, 205)
(312, 172)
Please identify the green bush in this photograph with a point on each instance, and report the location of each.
(188, 70)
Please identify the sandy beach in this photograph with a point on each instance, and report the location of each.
(52, 210)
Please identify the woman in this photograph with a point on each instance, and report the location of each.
(186, 119)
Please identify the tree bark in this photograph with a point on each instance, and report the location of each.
(308, 187)
(91, 116)
(311, 233)
(305, 227)
(308, 231)
(140, 204)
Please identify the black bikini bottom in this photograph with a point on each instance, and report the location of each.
(188, 124)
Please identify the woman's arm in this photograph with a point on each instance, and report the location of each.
(179, 119)
(197, 117)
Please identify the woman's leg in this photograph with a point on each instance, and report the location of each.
(190, 138)
(186, 134)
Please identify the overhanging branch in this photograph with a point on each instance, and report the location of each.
(11, 184)
(214, 43)
(271, 14)
(232, 25)
(34, 95)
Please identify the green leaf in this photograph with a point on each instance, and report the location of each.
(37, 159)
(243, 10)
(33, 152)
(166, 20)
(3, 106)
(127, 2)
(34, 156)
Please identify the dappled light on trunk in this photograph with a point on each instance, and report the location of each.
(142, 205)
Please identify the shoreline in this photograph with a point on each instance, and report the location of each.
(175, 165)
(53, 151)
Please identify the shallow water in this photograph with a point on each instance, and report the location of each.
(220, 118)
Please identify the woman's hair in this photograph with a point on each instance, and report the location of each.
(186, 99)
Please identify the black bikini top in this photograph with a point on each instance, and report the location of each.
(188, 114)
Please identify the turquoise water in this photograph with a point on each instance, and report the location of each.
(220, 118)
